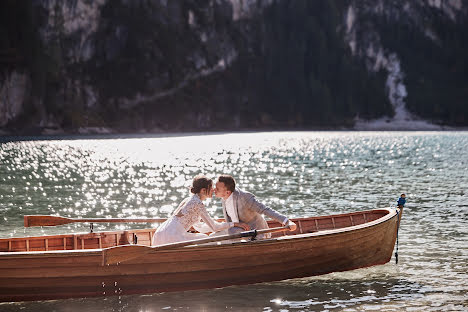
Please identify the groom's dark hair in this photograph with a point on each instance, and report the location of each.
(228, 181)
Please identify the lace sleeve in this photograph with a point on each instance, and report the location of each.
(210, 225)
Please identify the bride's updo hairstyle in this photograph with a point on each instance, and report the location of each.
(200, 182)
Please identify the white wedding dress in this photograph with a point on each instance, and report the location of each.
(190, 213)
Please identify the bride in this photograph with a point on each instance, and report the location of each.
(189, 214)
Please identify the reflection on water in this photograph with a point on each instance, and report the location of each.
(343, 291)
(298, 173)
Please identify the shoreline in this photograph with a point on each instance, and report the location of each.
(5, 137)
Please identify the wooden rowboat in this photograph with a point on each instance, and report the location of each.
(72, 265)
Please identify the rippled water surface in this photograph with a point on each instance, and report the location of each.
(297, 173)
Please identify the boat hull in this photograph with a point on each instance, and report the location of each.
(80, 273)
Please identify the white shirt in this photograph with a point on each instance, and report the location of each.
(231, 211)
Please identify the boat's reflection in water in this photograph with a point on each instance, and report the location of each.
(309, 294)
(353, 291)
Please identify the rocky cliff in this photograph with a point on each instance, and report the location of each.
(80, 66)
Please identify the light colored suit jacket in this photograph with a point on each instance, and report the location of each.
(249, 210)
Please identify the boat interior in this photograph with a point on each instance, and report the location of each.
(95, 240)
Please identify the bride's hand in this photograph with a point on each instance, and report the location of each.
(245, 226)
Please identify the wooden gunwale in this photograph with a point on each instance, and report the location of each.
(389, 213)
(97, 252)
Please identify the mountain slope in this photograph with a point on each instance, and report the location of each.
(157, 65)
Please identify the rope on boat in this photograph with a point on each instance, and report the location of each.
(398, 227)
(400, 203)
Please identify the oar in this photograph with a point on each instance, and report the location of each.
(113, 255)
(55, 220)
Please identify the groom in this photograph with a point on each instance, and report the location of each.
(243, 207)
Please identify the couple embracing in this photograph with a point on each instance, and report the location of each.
(241, 210)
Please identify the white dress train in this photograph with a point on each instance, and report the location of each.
(190, 212)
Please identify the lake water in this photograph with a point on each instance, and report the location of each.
(297, 173)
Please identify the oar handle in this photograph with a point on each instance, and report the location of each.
(199, 241)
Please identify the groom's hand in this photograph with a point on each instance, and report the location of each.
(242, 225)
(292, 226)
